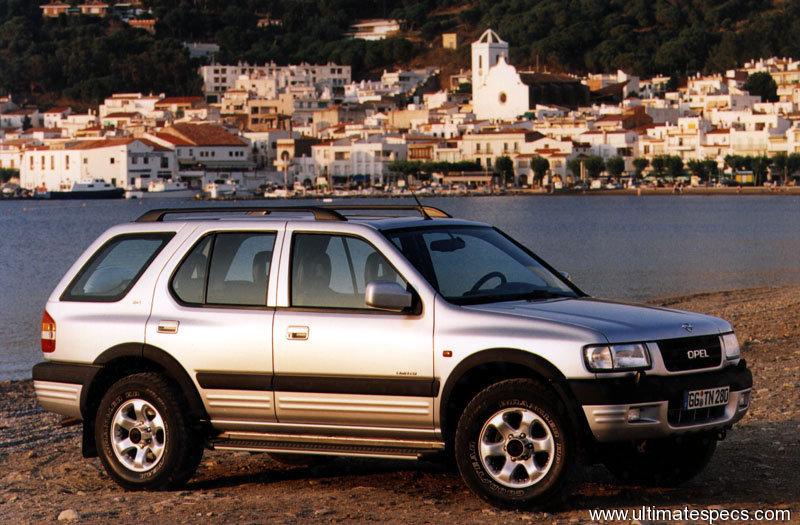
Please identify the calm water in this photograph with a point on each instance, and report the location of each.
(633, 248)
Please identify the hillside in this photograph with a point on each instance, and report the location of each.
(81, 59)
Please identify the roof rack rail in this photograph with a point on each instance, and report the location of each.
(427, 212)
(320, 213)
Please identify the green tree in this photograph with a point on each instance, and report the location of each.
(539, 166)
(640, 164)
(615, 166)
(504, 167)
(779, 166)
(763, 85)
(793, 164)
(760, 165)
(711, 169)
(674, 165)
(659, 163)
(594, 166)
(574, 167)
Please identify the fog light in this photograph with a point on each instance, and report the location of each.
(744, 400)
(634, 415)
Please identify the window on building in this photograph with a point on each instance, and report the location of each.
(52, 162)
(146, 160)
(134, 160)
(112, 160)
(66, 162)
(332, 271)
(164, 161)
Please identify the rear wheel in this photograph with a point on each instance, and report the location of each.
(144, 438)
(661, 462)
(515, 447)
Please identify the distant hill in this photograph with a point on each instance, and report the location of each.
(79, 60)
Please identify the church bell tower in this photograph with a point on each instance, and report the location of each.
(486, 52)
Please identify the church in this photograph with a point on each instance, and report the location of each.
(500, 92)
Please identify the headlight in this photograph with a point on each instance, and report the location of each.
(731, 346)
(616, 358)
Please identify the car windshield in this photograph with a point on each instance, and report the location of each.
(478, 264)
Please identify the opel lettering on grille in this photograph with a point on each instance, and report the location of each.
(694, 354)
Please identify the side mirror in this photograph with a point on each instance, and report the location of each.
(565, 275)
(383, 295)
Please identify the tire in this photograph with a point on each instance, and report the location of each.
(661, 462)
(299, 460)
(501, 476)
(141, 407)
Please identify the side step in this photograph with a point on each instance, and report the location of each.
(326, 445)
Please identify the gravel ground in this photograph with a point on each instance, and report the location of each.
(42, 474)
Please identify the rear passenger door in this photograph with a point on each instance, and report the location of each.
(213, 311)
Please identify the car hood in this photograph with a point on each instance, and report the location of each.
(618, 322)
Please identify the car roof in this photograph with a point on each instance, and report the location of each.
(379, 217)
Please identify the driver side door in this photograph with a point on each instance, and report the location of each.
(339, 362)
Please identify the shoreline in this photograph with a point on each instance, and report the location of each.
(782, 191)
(43, 474)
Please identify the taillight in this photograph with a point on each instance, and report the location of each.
(48, 333)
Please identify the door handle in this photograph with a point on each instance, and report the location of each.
(168, 327)
(297, 333)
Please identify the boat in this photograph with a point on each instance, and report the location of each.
(162, 189)
(84, 189)
(220, 189)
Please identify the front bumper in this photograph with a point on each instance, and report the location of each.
(622, 409)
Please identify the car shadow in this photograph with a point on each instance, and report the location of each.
(757, 464)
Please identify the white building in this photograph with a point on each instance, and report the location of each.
(218, 78)
(374, 29)
(129, 103)
(368, 157)
(124, 162)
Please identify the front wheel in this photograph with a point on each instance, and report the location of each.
(515, 447)
(144, 438)
(661, 462)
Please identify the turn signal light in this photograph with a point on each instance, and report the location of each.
(48, 333)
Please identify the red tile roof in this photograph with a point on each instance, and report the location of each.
(169, 101)
(184, 134)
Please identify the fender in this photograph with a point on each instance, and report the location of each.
(535, 363)
(162, 359)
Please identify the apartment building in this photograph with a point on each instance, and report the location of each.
(218, 78)
(123, 162)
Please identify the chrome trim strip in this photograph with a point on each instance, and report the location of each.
(61, 398)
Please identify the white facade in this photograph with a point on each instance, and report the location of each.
(124, 163)
(218, 78)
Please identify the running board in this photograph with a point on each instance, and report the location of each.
(326, 445)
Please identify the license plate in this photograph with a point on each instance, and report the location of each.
(709, 397)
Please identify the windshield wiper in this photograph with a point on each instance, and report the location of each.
(537, 295)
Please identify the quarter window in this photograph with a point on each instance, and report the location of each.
(115, 267)
(332, 271)
(229, 269)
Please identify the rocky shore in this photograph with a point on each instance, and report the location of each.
(43, 477)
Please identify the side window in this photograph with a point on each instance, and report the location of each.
(189, 282)
(332, 271)
(230, 269)
(115, 267)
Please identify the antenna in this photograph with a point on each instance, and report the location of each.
(422, 209)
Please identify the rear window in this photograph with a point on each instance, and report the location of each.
(115, 267)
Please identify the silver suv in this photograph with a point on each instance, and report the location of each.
(374, 331)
